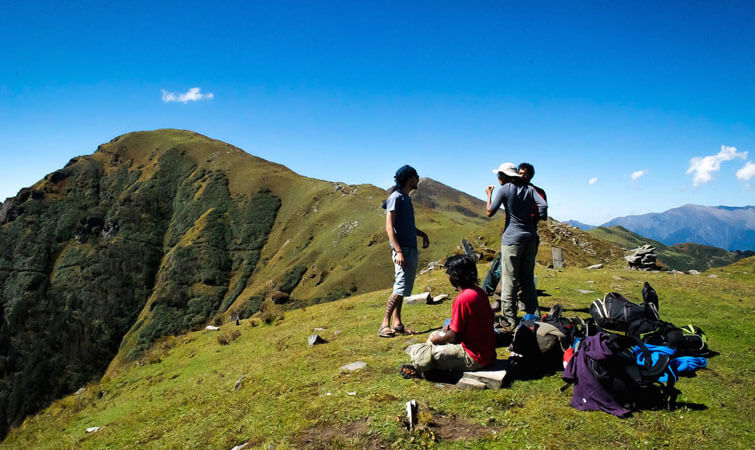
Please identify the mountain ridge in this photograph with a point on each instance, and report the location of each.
(730, 228)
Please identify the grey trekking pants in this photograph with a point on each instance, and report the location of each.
(518, 268)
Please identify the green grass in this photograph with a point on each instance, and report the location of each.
(182, 396)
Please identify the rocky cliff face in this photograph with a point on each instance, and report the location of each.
(85, 249)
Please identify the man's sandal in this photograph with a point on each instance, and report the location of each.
(386, 332)
(408, 371)
(401, 329)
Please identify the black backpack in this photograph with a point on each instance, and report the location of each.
(689, 340)
(631, 385)
(615, 314)
(535, 350)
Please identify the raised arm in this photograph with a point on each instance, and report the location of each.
(494, 201)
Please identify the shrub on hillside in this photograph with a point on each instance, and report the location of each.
(227, 338)
(270, 312)
(292, 278)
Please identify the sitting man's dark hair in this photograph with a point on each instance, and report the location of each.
(529, 171)
(462, 271)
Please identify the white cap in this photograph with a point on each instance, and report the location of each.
(508, 169)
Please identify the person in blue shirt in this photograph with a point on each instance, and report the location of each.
(402, 236)
(519, 241)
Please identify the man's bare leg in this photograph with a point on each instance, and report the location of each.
(392, 312)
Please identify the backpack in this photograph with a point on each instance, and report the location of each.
(689, 340)
(573, 328)
(634, 386)
(536, 349)
(615, 314)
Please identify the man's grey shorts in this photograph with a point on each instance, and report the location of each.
(405, 275)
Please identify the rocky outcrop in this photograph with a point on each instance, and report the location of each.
(643, 258)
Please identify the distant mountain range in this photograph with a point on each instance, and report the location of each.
(727, 227)
(678, 256)
(580, 225)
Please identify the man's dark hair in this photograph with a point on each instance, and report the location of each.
(529, 170)
(403, 174)
(462, 271)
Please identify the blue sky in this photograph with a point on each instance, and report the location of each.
(625, 94)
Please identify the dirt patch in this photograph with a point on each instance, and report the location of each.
(451, 428)
(354, 434)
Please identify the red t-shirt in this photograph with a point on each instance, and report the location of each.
(472, 320)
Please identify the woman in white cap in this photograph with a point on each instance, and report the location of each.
(519, 241)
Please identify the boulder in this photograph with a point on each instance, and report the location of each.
(469, 250)
(424, 297)
(493, 377)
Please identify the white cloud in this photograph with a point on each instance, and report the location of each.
(592, 180)
(192, 95)
(637, 174)
(703, 167)
(746, 172)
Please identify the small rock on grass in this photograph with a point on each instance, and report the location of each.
(424, 297)
(93, 429)
(351, 367)
(469, 383)
(595, 266)
(241, 446)
(237, 386)
(316, 339)
(585, 291)
(211, 328)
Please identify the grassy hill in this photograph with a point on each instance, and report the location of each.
(181, 393)
(678, 256)
(162, 232)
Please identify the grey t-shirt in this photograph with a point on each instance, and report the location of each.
(403, 225)
(524, 207)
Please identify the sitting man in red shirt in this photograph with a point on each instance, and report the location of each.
(468, 342)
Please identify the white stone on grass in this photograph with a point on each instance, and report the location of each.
(418, 298)
(351, 367)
